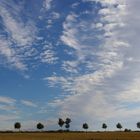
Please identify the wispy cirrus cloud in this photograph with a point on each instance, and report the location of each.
(47, 4)
(106, 2)
(18, 35)
(8, 106)
(8, 117)
(7, 100)
(19, 32)
(48, 55)
(104, 79)
(28, 103)
(10, 55)
(108, 61)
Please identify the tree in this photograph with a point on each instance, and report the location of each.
(17, 125)
(40, 126)
(67, 126)
(104, 126)
(60, 122)
(68, 121)
(85, 126)
(127, 130)
(138, 124)
(119, 126)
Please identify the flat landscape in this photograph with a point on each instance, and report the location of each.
(72, 136)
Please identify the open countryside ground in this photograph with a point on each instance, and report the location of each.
(72, 136)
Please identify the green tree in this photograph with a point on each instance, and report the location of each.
(17, 125)
(138, 125)
(104, 126)
(68, 121)
(85, 126)
(39, 126)
(60, 122)
(119, 126)
(67, 126)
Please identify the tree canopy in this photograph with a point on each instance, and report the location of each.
(17, 125)
(138, 124)
(40, 126)
(104, 126)
(119, 126)
(60, 122)
(85, 126)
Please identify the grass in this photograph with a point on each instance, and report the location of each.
(72, 136)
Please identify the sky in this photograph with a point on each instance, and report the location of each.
(69, 58)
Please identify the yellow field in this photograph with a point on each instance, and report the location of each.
(71, 136)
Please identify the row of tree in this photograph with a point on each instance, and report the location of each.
(118, 125)
(67, 122)
(104, 126)
(40, 126)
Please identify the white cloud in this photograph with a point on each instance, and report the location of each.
(107, 2)
(48, 55)
(7, 100)
(74, 5)
(55, 15)
(69, 32)
(86, 83)
(22, 34)
(109, 78)
(66, 83)
(28, 103)
(7, 107)
(9, 53)
(130, 94)
(70, 66)
(16, 43)
(47, 4)
(99, 25)
(108, 60)
(8, 117)
(8, 104)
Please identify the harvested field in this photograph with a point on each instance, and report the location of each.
(72, 136)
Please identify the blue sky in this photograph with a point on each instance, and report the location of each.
(77, 59)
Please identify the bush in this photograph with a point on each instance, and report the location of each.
(127, 130)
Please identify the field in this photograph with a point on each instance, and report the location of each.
(72, 136)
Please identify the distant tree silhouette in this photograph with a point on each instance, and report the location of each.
(138, 125)
(127, 130)
(85, 126)
(67, 126)
(39, 126)
(17, 125)
(60, 122)
(119, 126)
(104, 126)
(68, 121)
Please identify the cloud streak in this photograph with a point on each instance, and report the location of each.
(16, 33)
(104, 81)
(28, 103)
